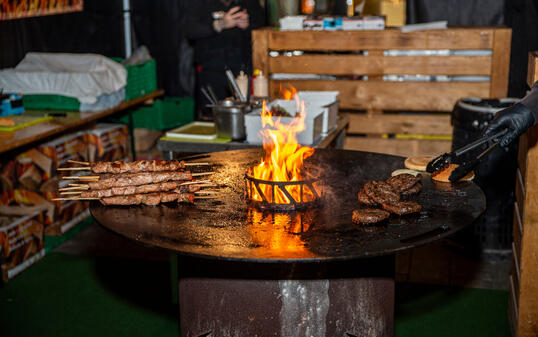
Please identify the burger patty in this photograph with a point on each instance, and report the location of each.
(369, 216)
(381, 192)
(402, 207)
(413, 189)
(363, 198)
(403, 181)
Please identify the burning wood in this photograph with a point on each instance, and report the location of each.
(283, 161)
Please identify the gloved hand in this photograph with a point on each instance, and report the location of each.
(517, 119)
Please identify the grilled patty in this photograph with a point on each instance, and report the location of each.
(363, 198)
(403, 181)
(381, 192)
(369, 216)
(413, 189)
(402, 207)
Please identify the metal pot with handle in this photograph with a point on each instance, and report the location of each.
(229, 118)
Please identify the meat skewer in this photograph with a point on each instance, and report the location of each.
(148, 199)
(117, 167)
(142, 189)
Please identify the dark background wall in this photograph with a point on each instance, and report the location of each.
(99, 29)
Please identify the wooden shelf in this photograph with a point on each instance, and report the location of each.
(12, 140)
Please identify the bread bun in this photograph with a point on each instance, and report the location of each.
(404, 171)
(443, 174)
(417, 163)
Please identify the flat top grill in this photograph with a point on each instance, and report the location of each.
(228, 228)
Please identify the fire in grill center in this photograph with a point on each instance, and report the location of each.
(280, 181)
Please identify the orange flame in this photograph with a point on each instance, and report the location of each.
(288, 94)
(284, 157)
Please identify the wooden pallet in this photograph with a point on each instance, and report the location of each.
(350, 55)
(523, 299)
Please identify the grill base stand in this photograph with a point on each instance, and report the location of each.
(222, 298)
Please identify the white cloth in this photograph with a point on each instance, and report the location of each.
(82, 76)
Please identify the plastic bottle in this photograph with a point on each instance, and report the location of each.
(242, 83)
(261, 85)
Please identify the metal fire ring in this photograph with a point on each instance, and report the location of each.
(252, 183)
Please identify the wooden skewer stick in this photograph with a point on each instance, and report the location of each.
(73, 168)
(71, 192)
(73, 198)
(216, 196)
(74, 188)
(81, 177)
(201, 174)
(78, 162)
(197, 164)
(207, 192)
(195, 182)
(79, 185)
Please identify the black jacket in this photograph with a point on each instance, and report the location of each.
(231, 47)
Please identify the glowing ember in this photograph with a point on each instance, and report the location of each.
(284, 158)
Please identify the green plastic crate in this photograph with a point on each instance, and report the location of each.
(50, 102)
(141, 79)
(166, 113)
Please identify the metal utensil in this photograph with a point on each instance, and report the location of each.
(208, 96)
(229, 118)
(235, 87)
(443, 160)
(212, 93)
(466, 167)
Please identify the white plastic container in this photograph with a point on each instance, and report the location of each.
(313, 123)
(325, 100)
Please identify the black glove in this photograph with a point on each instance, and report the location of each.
(517, 119)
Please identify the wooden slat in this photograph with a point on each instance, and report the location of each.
(512, 308)
(500, 65)
(399, 147)
(381, 65)
(454, 38)
(528, 301)
(517, 234)
(380, 95)
(531, 180)
(398, 123)
(260, 45)
(532, 72)
(520, 194)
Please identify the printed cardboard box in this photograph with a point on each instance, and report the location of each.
(21, 243)
(107, 142)
(63, 149)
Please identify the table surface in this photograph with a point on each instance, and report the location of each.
(229, 229)
(184, 146)
(58, 125)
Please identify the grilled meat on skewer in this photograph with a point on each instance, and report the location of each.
(129, 190)
(369, 215)
(137, 166)
(148, 199)
(136, 179)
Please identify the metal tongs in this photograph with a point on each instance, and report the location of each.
(443, 160)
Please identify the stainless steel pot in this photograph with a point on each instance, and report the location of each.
(229, 118)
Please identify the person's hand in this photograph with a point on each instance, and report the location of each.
(517, 119)
(235, 17)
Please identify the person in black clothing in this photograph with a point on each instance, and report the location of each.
(221, 32)
(517, 119)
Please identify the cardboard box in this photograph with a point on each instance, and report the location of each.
(60, 150)
(20, 197)
(21, 243)
(107, 142)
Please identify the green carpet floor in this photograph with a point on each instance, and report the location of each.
(65, 295)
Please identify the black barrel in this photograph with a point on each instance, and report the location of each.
(492, 232)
